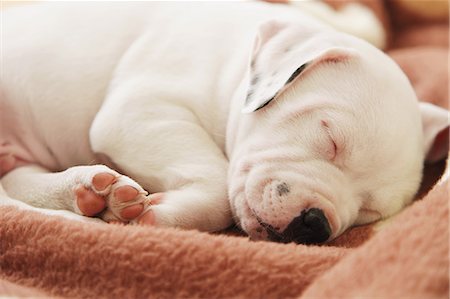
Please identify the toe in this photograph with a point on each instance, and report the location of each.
(147, 219)
(132, 212)
(88, 202)
(102, 180)
(126, 193)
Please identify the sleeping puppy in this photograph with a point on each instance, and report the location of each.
(194, 115)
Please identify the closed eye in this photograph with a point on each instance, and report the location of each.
(335, 149)
(332, 150)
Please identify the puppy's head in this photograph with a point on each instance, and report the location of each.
(330, 135)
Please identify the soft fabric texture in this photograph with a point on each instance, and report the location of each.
(405, 257)
(113, 261)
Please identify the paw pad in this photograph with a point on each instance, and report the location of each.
(103, 180)
(132, 212)
(112, 198)
(147, 219)
(126, 193)
(89, 202)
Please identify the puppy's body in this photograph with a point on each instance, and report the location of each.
(55, 83)
(155, 91)
(102, 43)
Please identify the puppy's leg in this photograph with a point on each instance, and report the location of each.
(5, 200)
(86, 190)
(165, 149)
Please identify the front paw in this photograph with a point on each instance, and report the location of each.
(113, 198)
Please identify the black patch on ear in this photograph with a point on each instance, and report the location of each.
(256, 78)
(296, 73)
(266, 103)
(253, 82)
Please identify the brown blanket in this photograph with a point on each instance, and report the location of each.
(404, 257)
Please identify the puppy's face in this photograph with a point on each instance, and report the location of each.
(333, 142)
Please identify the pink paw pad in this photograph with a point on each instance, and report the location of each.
(147, 219)
(132, 212)
(113, 199)
(126, 194)
(103, 180)
(88, 202)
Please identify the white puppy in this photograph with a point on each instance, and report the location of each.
(217, 110)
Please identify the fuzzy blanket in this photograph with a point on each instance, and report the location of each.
(406, 256)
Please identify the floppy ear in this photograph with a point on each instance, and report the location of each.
(281, 55)
(435, 124)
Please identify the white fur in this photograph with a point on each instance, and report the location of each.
(159, 89)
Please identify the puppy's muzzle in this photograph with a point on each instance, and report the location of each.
(310, 227)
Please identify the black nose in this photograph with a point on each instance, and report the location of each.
(311, 227)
